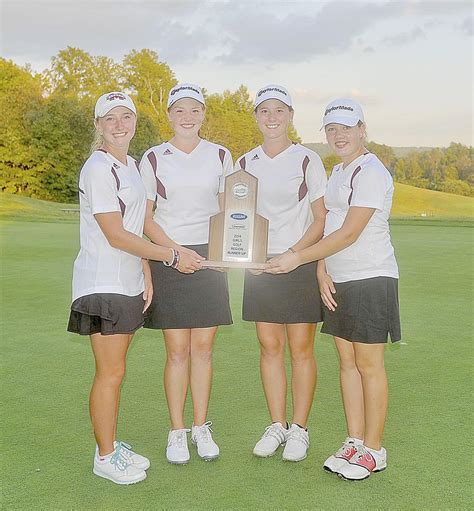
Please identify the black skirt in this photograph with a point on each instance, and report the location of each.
(106, 314)
(285, 298)
(367, 311)
(182, 300)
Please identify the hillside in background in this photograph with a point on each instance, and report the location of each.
(16, 207)
(409, 202)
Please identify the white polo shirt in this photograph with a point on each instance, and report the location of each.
(107, 185)
(365, 182)
(186, 188)
(287, 185)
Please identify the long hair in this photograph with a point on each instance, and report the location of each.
(97, 139)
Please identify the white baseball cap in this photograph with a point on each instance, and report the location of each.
(273, 92)
(185, 90)
(343, 111)
(110, 100)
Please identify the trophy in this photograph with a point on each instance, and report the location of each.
(238, 236)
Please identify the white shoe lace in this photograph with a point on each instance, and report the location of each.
(126, 448)
(346, 447)
(120, 459)
(204, 432)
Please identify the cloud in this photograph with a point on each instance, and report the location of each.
(40, 28)
(404, 37)
(299, 35)
(467, 26)
(266, 33)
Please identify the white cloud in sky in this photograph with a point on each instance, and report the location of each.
(404, 59)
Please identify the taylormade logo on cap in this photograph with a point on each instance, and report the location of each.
(343, 111)
(273, 92)
(185, 90)
(338, 107)
(110, 100)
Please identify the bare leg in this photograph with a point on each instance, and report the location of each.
(351, 389)
(303, 365)
(272, 368)
(130, 337)
(110, 355)
(370, 363)
(202, 340)
(176, 377)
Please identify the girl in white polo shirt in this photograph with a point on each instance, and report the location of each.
(111, 283)
(184, 179)
(291, 186)
(358, 279)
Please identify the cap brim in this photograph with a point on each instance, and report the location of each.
(340, 119)
(256, 105)
(186, 97)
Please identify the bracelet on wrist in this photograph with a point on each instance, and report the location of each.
(175, 262)
(292, 250)
(173, 257)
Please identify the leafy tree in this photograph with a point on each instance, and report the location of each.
(76, 73)
(20, 93)
(230, 121)
(60, 137)
(150, 82)
(329, 162)
(146, 136)
(384, 153)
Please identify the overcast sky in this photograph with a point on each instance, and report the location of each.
(408, 62)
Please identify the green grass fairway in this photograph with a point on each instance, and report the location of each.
(46, 438)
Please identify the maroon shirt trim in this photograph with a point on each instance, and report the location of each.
(160, 187)
(302, 192)
(354, 174)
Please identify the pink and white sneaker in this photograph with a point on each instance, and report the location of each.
(363, 463)
(336, 461)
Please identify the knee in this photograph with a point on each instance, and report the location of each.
(202, 353)
(178, 356)
(111, 376)
(368, 367)
(348, 364)
(302, 354)
(272, 348)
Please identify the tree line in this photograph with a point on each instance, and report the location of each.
(46, 127)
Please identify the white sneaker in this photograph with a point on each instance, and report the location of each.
(118, 468)
(336, 461)
(297, 443)
(137, 459)
(177, 451)
(274, 436)
(201, 437)
(363, 463)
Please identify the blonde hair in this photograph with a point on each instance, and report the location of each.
(366, 136)
(97, 139)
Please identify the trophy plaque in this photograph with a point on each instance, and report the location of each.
(238, 236)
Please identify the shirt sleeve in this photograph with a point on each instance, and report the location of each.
(100, 188)
(148, 176)
(227, 168)
(316, 178)
(369, 187)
